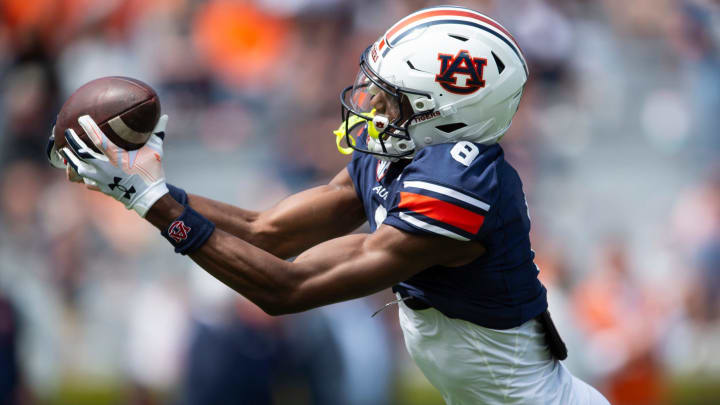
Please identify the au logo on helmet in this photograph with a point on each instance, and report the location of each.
(461, 64)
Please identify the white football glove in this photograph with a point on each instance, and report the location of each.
(55, 159)
(135, 178)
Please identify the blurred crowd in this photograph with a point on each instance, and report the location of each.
(616, 139)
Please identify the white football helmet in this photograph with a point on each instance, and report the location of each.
(442, 74)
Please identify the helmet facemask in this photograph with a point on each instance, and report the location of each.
(446, 74)
(381, 111)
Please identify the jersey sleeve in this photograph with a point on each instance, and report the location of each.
(443, 195)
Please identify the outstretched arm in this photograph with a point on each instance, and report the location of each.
(339, 269)
(290, 227)
(296, 223)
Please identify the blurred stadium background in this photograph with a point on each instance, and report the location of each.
(616, 139)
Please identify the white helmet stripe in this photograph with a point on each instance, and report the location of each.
(464, 22)
(445, 12)
(444, 15)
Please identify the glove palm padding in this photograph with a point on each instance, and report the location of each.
(135, 178)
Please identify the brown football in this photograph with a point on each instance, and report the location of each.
(125, 109)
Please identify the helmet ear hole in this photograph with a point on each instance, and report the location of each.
(448, 128)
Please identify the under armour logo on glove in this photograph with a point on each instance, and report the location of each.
(116, 184)
(178, 231)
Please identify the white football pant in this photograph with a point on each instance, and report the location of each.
(470, 364)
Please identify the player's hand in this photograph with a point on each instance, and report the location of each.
(57, 160)
(135, 178)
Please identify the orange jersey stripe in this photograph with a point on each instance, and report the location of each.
(442, 211)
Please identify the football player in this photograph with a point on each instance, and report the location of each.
(449, 225)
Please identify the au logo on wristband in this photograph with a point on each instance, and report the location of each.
(178, 231)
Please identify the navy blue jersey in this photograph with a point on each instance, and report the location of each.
(467, 192)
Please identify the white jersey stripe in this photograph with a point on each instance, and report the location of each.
(430, 227)
(448, 192)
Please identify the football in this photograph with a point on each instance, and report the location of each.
(125, 109)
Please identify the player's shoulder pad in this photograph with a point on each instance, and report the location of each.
(450, 188)
(464, 166)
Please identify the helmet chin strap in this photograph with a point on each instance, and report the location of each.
(393, 146)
